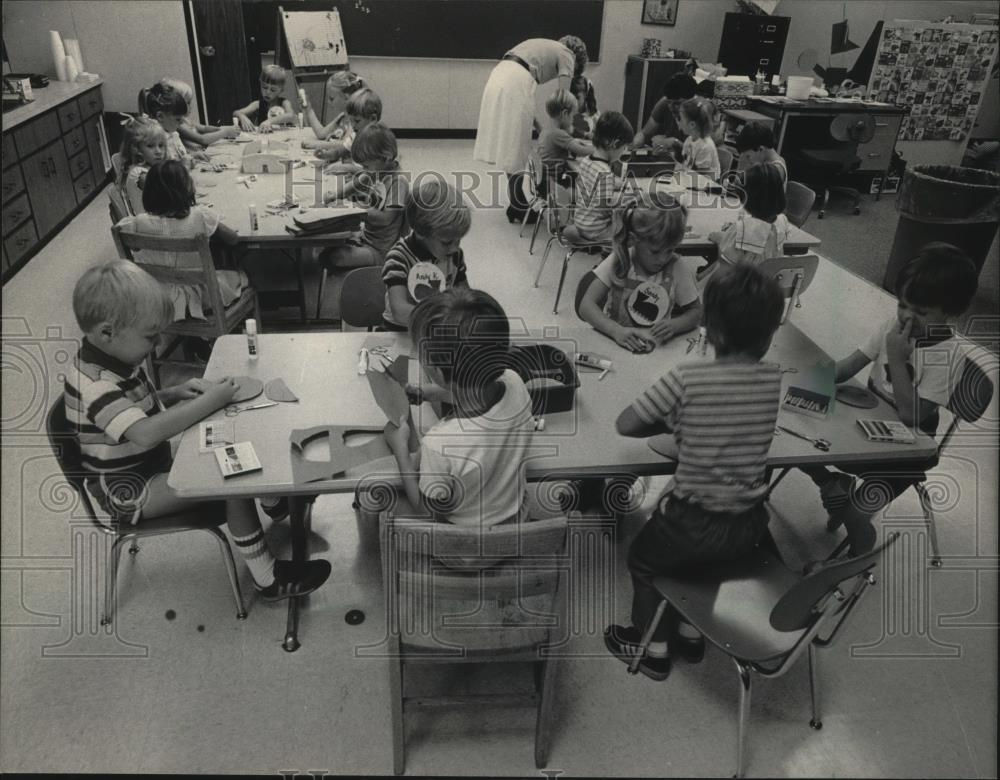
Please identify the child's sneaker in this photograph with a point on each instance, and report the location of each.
(289, 583)
(276, 509)
(623, 643)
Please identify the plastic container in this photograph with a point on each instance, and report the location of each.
(960, 206)
(799, 86)
(253, 347)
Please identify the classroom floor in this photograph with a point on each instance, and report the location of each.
(180, 685)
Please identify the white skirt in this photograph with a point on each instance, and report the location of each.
(505, 117)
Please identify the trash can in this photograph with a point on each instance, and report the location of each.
(960, 206)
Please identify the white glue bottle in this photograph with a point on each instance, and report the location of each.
(254, 224)
(253, 347)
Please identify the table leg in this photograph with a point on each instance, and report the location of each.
(302, 285)
(299, 508)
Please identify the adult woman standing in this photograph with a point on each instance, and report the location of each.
(507, 110)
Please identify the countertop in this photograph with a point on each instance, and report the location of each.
(46, 98)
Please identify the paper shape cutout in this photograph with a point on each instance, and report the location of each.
(342, 457)
(249, 387)
(424, 280)
(277, 390)
(648, 303)
(390, 395)
(857, 397)
(840, 38)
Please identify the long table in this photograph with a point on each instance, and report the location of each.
(321, 369)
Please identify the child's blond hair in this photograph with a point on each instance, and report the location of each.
(437, 210)
(137, 130)
(346, 81)
(182, 87)
(273, 74)
(700, 111)
(562, 100)
(120, 293)
(365, 104)
(661, 223)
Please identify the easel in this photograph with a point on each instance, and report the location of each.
(311, 45)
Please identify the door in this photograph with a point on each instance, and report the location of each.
(221, 48)
(50, 186)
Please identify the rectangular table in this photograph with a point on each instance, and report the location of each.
(321, 368)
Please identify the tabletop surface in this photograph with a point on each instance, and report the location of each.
(56, 93)
(321, 369)
(823, 105)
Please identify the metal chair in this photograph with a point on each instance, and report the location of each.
(469, 595)
(799, 200)
(559, 215)
(794, 273)
(765, 616)
(203, 516)
(725, 161)
(534, 166)
(826, 166)
(222, 319)
(362, 298)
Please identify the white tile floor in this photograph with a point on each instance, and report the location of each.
(179, 685)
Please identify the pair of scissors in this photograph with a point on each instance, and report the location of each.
(232, 411)
(820, 444)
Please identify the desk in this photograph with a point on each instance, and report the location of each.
(321, 368)
(231, 199)
(801, 121)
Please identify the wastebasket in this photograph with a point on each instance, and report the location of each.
(960, 206)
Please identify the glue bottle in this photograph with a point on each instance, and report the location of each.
(253, 348)
(254, 225)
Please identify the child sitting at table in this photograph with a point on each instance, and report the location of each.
(430, 258)
(364, 107)
(125, 424)
(642, 294)
(339, 88)
(698, 152)
(761, 228)
(380, 188)
(470, 467)
(755, 144)
(722, 415)
(917, 361)
(556, 145)
(168, 107)
(144, 144)
(596, 182)
(271, 108)
(197, 136)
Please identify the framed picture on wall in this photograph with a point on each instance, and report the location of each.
(659, 12)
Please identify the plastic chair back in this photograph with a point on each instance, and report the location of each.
(973, 393)
(799, 200)
(789, 269)
(362, 297)
(581, 290)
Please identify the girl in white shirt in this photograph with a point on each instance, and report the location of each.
(144, 143)
(698, 153)
(761, 229)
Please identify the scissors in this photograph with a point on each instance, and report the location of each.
(820, 444)
(232, 411)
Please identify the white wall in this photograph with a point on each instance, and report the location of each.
(130, 44)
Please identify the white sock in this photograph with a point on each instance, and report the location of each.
(657, 650)
(687, 631)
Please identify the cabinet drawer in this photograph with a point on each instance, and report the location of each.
(15, 213)
(20, 241)
(69, 116)
(9, 152)
(90, 103)
(75, 141)
(36, 134)
(877, 153)
(84, 185)
(79, 163)
(13, 183)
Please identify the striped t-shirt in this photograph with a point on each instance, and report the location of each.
(722, 416)
(104, 397)
(401, 268)
(595, 189)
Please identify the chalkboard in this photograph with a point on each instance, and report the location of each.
(448, 29)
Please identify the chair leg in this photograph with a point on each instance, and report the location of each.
(534, 232)
(543, 726)
(545, 256)
(562, 278)
(227, 558)
(773, 485)
(111, 581)
(741, 739)
(396, 694)
(816, 723)
(647, 637)
(524, 219)
(929, 521)
(322, 289)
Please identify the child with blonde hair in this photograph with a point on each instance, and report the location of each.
(144, 143)
(364, 107)
(642, 294)
(556, 145)
(271, 108)
(698, 153)
(339, 88)
(167, 106)
(761, 228)
(197, 136)
(430, 258)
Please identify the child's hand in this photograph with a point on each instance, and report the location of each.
(897, 341)
(245, 123)
(397, 436)
(663, 331)
(265, 126)
(192, 389)
(202, 157)
(310, 143)
(331, 155)
(230, 132)
(634, 340)
(221, 392)
(715, 236)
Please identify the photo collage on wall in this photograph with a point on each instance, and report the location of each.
(939, 71)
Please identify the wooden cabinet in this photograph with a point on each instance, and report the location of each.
(53, 163)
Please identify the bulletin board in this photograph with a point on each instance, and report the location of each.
(939, 71)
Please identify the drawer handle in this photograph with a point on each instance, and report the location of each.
(52, 165)
(44, 167)
(874, 154)
(76, 142)
(15, 217)
(881, 124)
(23, 241)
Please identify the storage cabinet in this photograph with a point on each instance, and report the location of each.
(53, 163)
